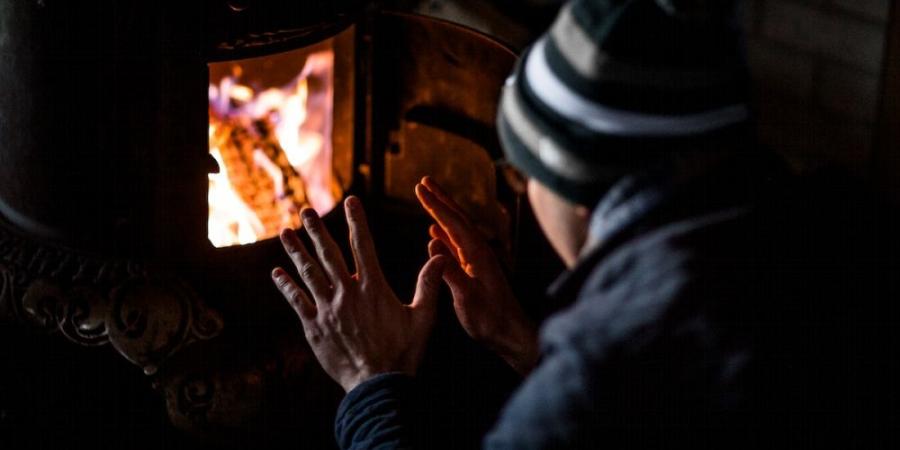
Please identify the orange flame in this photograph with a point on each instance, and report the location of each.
(273, 148)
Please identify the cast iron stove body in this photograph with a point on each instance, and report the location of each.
(105, 179)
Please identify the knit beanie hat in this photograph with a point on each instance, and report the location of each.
(616, 83)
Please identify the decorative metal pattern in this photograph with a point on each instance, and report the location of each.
(93, 301)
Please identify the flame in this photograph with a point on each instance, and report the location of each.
(273, 149)
(241, 93)
(293, 115)
(231, 221)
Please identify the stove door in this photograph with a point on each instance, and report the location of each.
(435, 91)
(238, 29)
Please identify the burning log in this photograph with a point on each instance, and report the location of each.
(259, 172)
(269, 149)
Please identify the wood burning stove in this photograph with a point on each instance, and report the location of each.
(150, 152)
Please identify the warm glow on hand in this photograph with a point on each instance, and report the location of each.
(483, 301)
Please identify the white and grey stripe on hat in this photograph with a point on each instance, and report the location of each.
(582, 98)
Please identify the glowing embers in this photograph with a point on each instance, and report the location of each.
(272, 144)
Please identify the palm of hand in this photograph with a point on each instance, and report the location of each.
(355, 324)
(482, 298)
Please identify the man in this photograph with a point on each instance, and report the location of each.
(714, 303)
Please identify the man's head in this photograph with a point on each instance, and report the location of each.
(614, 87)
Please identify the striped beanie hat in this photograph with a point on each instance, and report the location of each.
(617, 84)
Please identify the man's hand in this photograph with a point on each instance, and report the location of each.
(482, 298)
(355, 324)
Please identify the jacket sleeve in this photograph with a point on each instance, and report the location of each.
(375, 415)
(548, 411)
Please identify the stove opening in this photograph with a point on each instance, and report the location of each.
(271, 129)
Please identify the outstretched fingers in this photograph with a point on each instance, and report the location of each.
(437, 232)
(424, 302)
(442, 195)
(456, 278)
(361, 241)
(450, 220)
(299, 301)
(440, 246)
(306, 266)
(328, 251)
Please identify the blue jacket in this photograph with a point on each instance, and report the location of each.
(734, 310)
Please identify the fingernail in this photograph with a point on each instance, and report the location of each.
(308, 214)
(277, 273)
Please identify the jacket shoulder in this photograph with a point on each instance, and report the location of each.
(654, 280)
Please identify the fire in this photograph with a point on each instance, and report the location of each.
(273, 148)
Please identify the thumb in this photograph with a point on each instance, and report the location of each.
(458, 282)
(424, 302)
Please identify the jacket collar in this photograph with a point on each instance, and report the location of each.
(625, 204)
(642, 201)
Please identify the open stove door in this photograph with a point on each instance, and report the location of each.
(435, 91)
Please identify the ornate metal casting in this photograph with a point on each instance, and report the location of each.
(94, 301)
